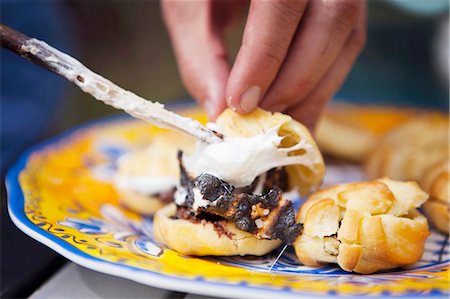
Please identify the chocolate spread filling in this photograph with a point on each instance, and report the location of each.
(237, 205)
(203, 218)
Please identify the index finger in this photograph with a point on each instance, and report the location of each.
(268, 33)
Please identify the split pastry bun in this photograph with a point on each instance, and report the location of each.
(409, 150)
(437, 208)
(155, 162)
(304, 177)
(213, 217)
(200, 238)
(363, 227)
(350, 132)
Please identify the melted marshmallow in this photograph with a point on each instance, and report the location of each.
(239, 160)
(260, 184)
(199, 201)
(180, 195)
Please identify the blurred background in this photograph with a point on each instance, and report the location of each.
(405, 63)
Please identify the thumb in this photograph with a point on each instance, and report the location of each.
(200, 52)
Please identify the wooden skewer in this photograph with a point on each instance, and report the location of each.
(100, 88)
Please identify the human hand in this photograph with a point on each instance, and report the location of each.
(294, 56)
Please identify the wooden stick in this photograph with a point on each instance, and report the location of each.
(100, 88)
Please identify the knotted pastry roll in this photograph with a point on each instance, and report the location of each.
(409, 150)
(363, 227)
(436, 182)
(351, 132)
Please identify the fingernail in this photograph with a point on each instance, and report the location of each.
(250, 98)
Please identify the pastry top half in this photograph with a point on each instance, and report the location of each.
(350, 132)
(409, 150)
(436, 182)
(145, 177)
(363, 227)
(158, 159)
(305, 176)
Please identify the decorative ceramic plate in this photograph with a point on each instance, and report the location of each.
(60, 194)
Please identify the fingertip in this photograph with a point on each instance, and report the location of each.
(247, 101)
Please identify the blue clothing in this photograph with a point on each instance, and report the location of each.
(30, 95)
